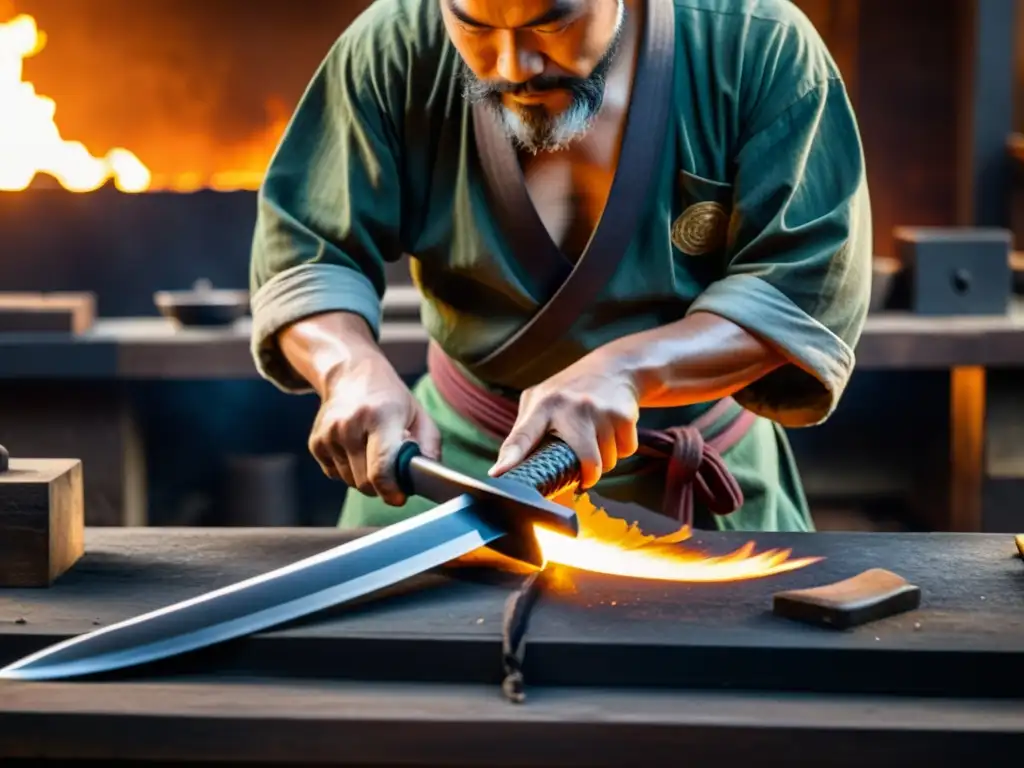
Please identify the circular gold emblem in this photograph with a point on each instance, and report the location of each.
(700, 229)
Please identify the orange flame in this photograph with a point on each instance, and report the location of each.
(611, 546)
(30, 142)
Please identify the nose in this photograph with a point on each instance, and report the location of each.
(517, 63)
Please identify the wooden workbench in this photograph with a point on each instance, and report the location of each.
(613, 666)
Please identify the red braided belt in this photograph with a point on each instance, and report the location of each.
(695, 471)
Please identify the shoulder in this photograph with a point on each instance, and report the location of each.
(770, 33)
(413, 27)
(766, 53)
(390, 47)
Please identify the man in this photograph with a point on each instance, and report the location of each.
(640, 225)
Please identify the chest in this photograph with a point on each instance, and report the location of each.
(569, 191)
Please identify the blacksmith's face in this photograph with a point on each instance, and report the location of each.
(540, 64)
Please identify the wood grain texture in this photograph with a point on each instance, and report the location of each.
(41, 521)
(967, 638)
(352, 687)
(214, 721)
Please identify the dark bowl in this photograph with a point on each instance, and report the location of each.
(203, 305)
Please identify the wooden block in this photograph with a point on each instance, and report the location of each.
(46, 312)
(42, 523)
(1019, 539)
(866, 597)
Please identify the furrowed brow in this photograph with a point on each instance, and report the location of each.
(560, 10)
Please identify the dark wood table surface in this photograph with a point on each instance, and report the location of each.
(617, 670)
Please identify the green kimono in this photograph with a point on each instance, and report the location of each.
(759, 213)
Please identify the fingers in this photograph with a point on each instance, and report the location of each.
(600, 432)
(426, 434)
(382, 446)
(534, 423)
(607, 445)
(520, 442)
(359, 445)
(581, 435)
(333, 463)
(626, 437)
(599, 445)
(349, 443)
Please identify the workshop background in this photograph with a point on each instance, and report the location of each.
(178, 104)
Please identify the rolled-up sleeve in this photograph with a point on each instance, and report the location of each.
(329, 209)
(799, 268)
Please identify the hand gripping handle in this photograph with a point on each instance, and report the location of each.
(552, 469)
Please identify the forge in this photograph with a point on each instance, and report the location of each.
(99, 190)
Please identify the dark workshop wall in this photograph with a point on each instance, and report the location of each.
(907, 111)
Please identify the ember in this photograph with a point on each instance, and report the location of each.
(611, 546)
(30, 141)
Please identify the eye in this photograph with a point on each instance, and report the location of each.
(553, 29)
(469, 29)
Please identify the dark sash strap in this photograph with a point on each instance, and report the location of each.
(695, 468)
(639, 163)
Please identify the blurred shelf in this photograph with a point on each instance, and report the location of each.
(154, 348)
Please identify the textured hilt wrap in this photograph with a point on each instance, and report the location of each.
(552, 469)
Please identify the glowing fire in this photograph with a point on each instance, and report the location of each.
(30, 141)
(612, 546)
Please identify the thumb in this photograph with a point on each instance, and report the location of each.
(520, 442)
(425, 433)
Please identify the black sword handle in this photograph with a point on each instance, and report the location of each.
(551, 469)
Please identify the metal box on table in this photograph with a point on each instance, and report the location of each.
(956, 271)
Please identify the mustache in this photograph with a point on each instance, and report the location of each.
(539, 84)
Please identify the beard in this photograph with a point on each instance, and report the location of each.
(532, 127)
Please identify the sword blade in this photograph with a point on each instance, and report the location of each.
(354, 569)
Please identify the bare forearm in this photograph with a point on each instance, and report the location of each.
(322, 347)
(699, 358)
